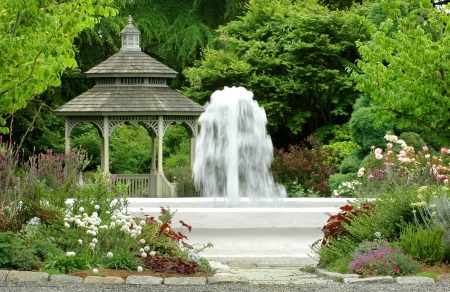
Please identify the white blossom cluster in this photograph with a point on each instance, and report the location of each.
(346, 189)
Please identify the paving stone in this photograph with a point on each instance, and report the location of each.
(66, 279)
(3, 274)
(27, 276)
(110, 280)
(174, 281)
(414, 280)
(444, 278)
(371, 280)
(218, 267)
(227, 278)
(144, 280)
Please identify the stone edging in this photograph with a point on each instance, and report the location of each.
(355, 278)
(222, 274)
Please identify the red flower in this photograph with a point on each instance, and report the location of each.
(396, 269)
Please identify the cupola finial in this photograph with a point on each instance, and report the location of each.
(130, 37)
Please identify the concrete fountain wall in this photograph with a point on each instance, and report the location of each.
(249, 236)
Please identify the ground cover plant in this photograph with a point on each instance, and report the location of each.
(399, 218)
(53, 220)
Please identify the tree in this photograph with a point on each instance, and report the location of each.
(36, 45)
(292, 56)
(405, 68)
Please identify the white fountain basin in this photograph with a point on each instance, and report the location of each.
(249, 236)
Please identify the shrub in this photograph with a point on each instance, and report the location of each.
(296, 190)
(413, 139)
(352, 162)
(310, 167)
(423, 243)
(364, 129)
(347, 189)
(182, 176)
(343, 148)
(338, 178)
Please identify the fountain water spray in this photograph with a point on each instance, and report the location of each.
(234, 153)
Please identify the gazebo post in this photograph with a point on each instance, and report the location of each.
(105, 145)
(152, 185)
(160, 157)
(67, 136)
(192, 156)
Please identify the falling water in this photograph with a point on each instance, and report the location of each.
(234, 152)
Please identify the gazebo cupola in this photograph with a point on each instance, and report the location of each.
(131, 88)
(130, 37)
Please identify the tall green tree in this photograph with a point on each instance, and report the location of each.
(36, 45)
(405, 67)
(292, 55)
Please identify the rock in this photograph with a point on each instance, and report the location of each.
(218, 267)
(110, 280)
(371, 280)
(3, 274)
(27, 276)
(444, 278)
(227, 278)
(66, 279)
(174, 281)
(144, 280)
(414, 280)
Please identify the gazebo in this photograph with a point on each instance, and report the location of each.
(131, 88)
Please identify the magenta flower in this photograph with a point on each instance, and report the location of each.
(396, 269)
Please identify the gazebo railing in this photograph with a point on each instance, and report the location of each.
(139, 185)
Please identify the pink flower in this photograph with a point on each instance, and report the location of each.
(396, 269)
(357, 265)
(378, 156)
(386, 266)
(393, 259)
(389, 145)
(381, 255)
(425, 148)
(443, 150)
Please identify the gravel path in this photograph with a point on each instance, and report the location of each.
(329, 287)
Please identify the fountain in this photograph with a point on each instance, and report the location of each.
(234, 153)
(232, 169)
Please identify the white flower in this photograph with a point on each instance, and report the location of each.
(81, 209)
(70, 253)
(92, 245)
(142, 222)
(109, 254)
(66, 225)
(94, 240)
(377, 234)
(144, 255)
(142, 241)
(95, 271)
(113, 218)
(80, 242)
(378, 156)
(146, 248)
(107, 212)
(141, 250)
(96, 207)
(361, 172)
(139, 269)
(152, 253)
(112, 224)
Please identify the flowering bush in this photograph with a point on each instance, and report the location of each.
(400, 164)
(347, 189)
(309, 164)
(384, 260)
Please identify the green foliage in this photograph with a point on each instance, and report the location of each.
(343, 148)
(413, 140)
(365, 129)
(37, 45)
(352, 162)
(296, 190)
(336, 255)
(338, 178)
(292, 55)
(402, 69)
(392, 211)
(423, 243)
(120, 260)
(64, 264)
(130, 150)
(14, 254)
